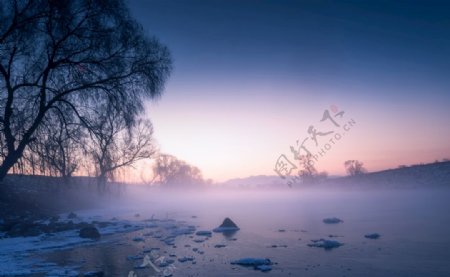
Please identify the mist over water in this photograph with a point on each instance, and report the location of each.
(135, 134)
(279, 224)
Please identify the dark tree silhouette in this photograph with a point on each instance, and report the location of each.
(170, 171)
(56, 146)
(308, 172)
(354, 167)
(117, 143)
(71, 57)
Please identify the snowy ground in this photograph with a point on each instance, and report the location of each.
(23, 255)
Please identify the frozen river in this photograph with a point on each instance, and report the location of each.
(278, 225)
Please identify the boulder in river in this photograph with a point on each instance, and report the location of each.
(332, 220)
(372, 236)
(89, 232)
(252, 261)
(72, 215)
(227, 226)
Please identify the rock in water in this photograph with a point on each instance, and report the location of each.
(372, 236)
(252, 262)
(185, 259)
(89, 232)
(227, 226)
(332, 220)
(72, 215)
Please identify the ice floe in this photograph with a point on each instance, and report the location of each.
(325, 244)
(204, 233)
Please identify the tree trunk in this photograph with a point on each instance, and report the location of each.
(101, 182)
(9, 162)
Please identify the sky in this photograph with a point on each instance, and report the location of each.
(251, 76)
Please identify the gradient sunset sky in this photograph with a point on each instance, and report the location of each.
(250, 77)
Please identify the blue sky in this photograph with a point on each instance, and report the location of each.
(251, 76)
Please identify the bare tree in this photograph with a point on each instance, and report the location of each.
(55, 151)
(72, 57)
(308, 172)
(117, 143)
(170, 171)
(58, 145)
(354, 167)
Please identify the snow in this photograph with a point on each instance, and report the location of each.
(260, 264)
(62, 273)
(93, 274)
(16, 252)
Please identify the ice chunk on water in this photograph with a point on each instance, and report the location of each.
(204, 233)
(185, 259)
(264, 268)
(325, 244)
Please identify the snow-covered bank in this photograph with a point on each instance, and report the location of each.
(22, 256)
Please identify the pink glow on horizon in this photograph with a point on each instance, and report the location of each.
(228, 139)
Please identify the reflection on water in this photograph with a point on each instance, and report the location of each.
(414, 227)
